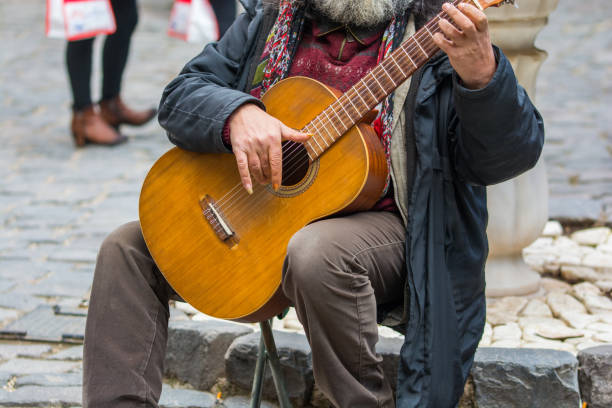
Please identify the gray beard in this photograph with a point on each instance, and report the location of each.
(362, 13)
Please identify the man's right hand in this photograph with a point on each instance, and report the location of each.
(256, 141)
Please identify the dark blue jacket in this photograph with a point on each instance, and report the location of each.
(465, 140)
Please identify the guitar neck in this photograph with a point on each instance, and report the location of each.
(375, 86)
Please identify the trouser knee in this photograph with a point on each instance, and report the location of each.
(305, 268)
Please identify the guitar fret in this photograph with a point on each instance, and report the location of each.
(315, 134)
(417, 43)
(336, 113)
(390, 77)
(410, 58)
(368, 88)
(397, 65)
(323, 139)
(324, 128)
(330, 121)
(428, 32)
(309, 156)
(353, 105)
(376, 79)
(342, 107)
(362, 100)
(314, 139)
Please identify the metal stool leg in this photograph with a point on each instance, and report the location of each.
(260, 372)
(270, 354)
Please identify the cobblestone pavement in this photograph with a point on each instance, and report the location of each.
(58, 203)
(574, 94)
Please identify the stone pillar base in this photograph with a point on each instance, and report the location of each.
(510, 276)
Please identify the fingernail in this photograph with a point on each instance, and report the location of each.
(310, 134)
(249, 190)
(275, 186)
(445, 6)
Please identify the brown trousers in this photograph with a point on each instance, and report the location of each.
(335, 273)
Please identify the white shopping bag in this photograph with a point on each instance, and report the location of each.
(79, 19)
(193, 21)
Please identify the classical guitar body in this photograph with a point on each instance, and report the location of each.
(221, 249)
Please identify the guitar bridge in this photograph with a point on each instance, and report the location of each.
(218, 221)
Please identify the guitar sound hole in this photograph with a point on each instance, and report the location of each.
(295, 163)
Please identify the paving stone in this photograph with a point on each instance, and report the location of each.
(509, 331)
(21, 302)
(7, 316)
(74, 255)
(555, 285)
(600, 327)
(51, 380)
(505, 310)
(295, 360)
(591, 236)
(600, 261)
(180, 398)
(389, 349)
(46, 323)
(34, 396)
(23, 366)
(195, 351)
(595, 376)
(598, 303)
(558, 333)
(6, 285)
(177, 314)
(536, 307)
(578, 320)
(525, 378)
(559, 302)
(577, 273)
(582, 290)
(25, 271)
(60, 283)
(8, 351)
(4, 379)
(70, 354)
(552, 229)
(575, 209)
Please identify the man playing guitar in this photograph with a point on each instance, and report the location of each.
(414, 261)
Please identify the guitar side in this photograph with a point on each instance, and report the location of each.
(242, 282)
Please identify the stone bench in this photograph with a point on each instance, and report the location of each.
(207, 354)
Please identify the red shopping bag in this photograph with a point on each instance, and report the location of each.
(193, 21)
(79, 19)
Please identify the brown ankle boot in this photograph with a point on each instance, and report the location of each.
(89, 127)
(115, 113)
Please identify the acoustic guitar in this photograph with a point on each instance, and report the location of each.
(222, 249)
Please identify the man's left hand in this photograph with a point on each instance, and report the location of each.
(468, 45)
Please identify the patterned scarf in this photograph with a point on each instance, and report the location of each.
(281, 45)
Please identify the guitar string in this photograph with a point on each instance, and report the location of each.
(414, 45)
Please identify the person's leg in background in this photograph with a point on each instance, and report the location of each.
(225, 10)
(87, 125)
(114, 60)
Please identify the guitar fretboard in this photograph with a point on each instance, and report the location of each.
(370, 90)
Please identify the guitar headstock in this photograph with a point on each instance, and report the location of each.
(484, 4)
